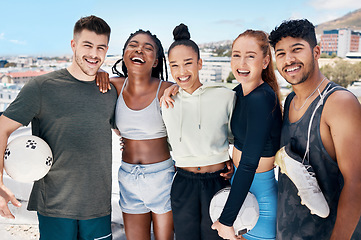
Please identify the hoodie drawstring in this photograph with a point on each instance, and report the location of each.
(199, 111)
(181, 114)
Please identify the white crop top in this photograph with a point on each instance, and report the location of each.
(143, 124)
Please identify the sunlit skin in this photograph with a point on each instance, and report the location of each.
(340, 127)
(140, 56)
(89, 51)
(247, 63)
(297, 62)
(185, 65)
(295, 59)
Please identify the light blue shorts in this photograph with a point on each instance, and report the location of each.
(146, 188)
(265, 189)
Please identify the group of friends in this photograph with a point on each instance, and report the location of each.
(75, 109)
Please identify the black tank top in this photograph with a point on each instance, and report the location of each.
(294, 221)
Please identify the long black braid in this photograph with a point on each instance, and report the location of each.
(157, 71)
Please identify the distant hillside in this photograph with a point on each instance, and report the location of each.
(350, 20)
(220, 49)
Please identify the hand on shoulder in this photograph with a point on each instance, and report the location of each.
(171, 89)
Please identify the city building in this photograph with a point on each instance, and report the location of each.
(343, 42)
(215, 69)
(11, 83)
(20, 77)
(8, 93)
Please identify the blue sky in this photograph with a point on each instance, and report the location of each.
(44, 27)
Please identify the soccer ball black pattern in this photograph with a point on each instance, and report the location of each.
(49, 161)
(7, 153)
(31, 144)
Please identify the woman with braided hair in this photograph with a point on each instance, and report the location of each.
(146, 173)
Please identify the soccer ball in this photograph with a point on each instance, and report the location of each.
(27, 158)
(248, 214)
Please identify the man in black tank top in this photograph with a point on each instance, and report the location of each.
(334, 140)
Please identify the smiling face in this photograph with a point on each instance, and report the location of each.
(89, 50)
(295, 59)
(248, 61)
(140, 55)
(184, 66)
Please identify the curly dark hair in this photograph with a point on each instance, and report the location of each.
(301, 28)
(157, 71)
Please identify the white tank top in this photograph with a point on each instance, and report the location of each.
(143, 124)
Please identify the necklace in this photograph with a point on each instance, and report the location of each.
(294, 106)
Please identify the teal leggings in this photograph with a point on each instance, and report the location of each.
(52, 228)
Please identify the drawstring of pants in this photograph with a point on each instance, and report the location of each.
(137, 171)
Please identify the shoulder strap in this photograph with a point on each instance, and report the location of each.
(328, 90)
(160, 83)
(125, 81)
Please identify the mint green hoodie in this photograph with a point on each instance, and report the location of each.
(198, 126)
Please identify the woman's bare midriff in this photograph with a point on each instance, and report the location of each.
(265, 163)
(205, 169)
(145, 151)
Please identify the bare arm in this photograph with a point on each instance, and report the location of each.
(343, 116)
(7, 127)
(102, 81)
(166, 99)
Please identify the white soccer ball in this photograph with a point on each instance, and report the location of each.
(248, 214)
(27, 158)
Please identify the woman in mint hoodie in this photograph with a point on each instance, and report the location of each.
(199, 133)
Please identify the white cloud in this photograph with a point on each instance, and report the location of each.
(335, 4)
(18, 42)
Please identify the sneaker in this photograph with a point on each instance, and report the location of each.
(305, 181)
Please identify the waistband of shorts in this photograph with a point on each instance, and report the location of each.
(148, 168)
(269, 175)
(207, 175)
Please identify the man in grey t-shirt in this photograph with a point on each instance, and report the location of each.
(67, 110)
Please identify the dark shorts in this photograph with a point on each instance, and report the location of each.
(53, 228)
(190, 197)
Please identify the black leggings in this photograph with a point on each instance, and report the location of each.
(190, 198)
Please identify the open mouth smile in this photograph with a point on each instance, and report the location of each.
(293, 69)
(91, 61)
(137, 60)
(243, 72)
(182, 79)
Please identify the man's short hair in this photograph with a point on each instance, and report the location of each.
(93, 24)
(301, 28)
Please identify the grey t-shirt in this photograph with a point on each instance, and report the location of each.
(75, 119)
